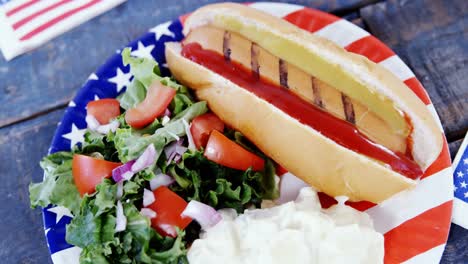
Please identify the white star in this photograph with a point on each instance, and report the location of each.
(75, 136)
(460, 174)
(465, 161)
(162, 29)
(60, 211)
(71, 104)
(463, 184)
(142, 51)
(46, 231)
(96, 97)
(466, 195)
(93, 76)
(121, 79)
(454, 188)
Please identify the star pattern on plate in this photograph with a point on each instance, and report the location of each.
(60, 212)
(120, 79)
(162, 30)
(75, 136)
(143, 51)
(71, 104)
(460, 174)
(465, 161)
(96, 97)
(93, 76)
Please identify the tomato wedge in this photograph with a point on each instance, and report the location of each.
(89, 172)
(168, 207)
(158, 97)
(222, 150)
(202, 126)
(104, 110)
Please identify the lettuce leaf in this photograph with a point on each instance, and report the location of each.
(145, 72)
(57, 187)
(130, 143)
(203, 180)
(93, 229)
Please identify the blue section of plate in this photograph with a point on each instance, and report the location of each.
(107, 82)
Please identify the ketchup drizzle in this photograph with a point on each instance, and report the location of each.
(332, 127)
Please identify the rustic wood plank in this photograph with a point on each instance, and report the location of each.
(456, 250)
(21, 148)
(48, 77)
(431, 36)
(454, 146)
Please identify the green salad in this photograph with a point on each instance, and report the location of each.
(155, 166)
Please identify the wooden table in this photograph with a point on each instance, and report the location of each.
(430, 36)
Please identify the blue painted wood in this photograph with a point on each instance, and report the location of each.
(34, 85)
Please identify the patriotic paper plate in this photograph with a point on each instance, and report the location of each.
(415, 223)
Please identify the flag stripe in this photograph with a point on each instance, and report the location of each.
(46, 17)
(442, 162)
(428, 256)
(342, 32)
(371, 48)
(419, 234)
(20, 7)
(276, 9)
(310, 19)
(396, 66)
(57, 20)
(418, 89)
(38, 13)
(391, 213)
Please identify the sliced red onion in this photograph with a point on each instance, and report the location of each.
(146, 159)
(175, 150)
(120, 219)
(119, 190)
(93, 124)
(191, 144)
(204, 214)
(148, 213)
(148, 197)
(123, 172)
(161, 180)
(168, 229)
(290, 186)
(167, 113)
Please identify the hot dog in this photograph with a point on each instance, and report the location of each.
(340, 122)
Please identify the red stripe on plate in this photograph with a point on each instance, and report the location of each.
(443, 161)
(21, 7)
(418, 89)
(40, 12)
(310, 19)
(419, 234)
(57, 20)
(370, 47)
(326, 201)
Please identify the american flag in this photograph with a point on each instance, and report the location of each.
(27, 24)
(460, 182)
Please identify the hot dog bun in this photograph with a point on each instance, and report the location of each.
(316, 159)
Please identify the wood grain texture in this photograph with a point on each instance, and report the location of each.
(35, 84)
(49, 76)
(21, 148)
(431, 36)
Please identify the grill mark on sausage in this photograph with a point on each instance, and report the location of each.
(283, 73)
(226, 45)
(316, 92)
(254, 65)
(348, 109)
